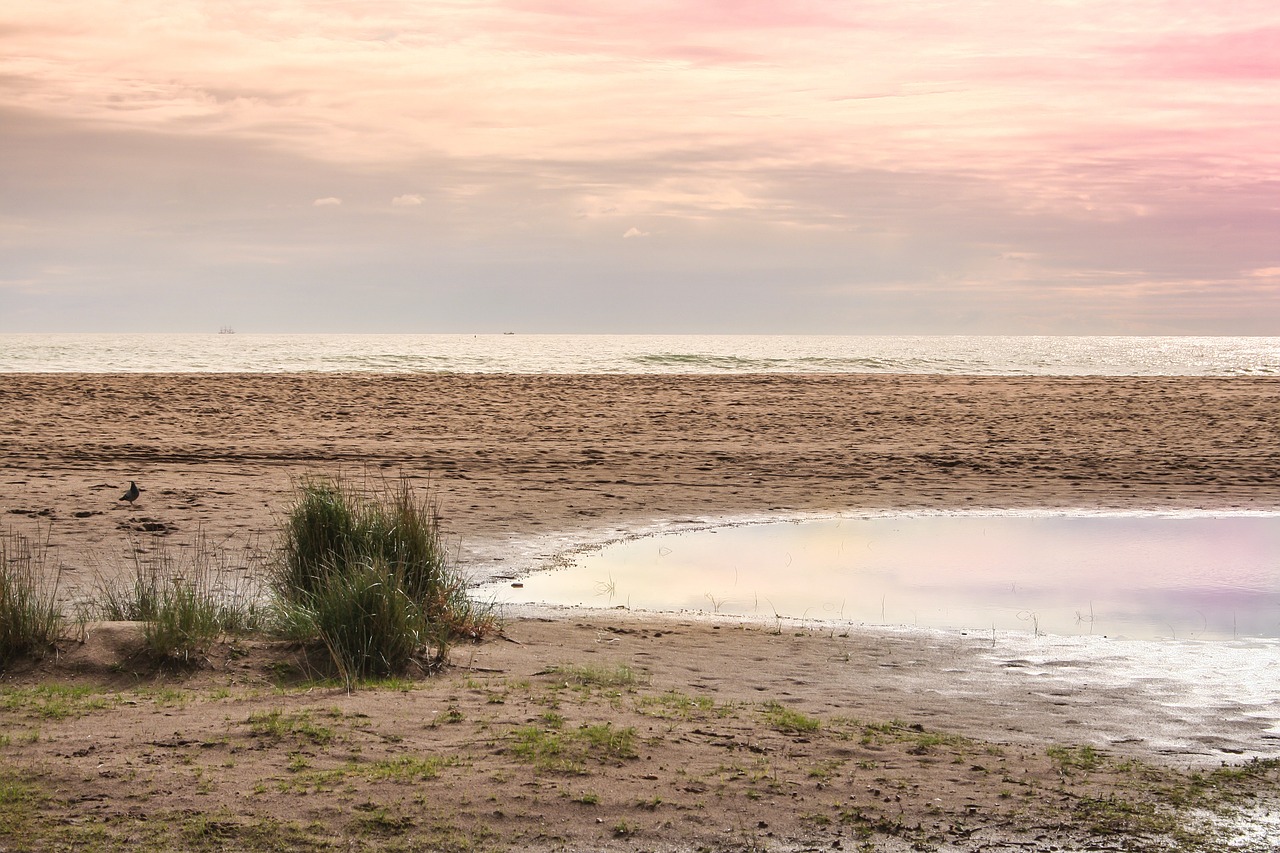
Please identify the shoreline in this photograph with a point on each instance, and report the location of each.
(1188, 702)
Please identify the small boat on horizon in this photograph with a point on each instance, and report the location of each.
(226, 330)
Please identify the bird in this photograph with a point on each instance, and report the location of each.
(132, 494)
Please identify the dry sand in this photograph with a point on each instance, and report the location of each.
(516, 456)
(527, 467)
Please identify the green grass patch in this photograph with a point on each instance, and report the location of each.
(680, 706)
(1252, 770)
(19, 804)
(1115, 816)
(568, 750)
(224, 830)
(317, 781)
(785, 719)
(378, 820)
(409, 768)
(1069, 759)
(276, 725)
(922, 740)
(56, 701)
(605, 675)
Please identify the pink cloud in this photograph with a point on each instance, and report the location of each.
(1242, 55)
(1125, 132)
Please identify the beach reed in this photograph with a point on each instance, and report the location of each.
(183, 623)
(30, 618)
(368, 575)
(186, 597)
(366, 621)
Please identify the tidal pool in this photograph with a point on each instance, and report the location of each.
(1135, 576)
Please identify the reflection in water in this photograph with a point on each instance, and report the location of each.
(1133, 576)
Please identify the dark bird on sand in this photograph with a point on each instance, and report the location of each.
(132, 494)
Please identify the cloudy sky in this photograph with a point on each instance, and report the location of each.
(685, 166)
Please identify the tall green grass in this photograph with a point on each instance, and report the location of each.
(184, 623)
(368, 575)
(369, 624)
(186, 597)
(331, 522)
(30, 618)
(365, 574)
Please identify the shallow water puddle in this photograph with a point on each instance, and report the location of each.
(1131, 576)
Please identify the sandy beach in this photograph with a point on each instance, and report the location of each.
(513, 457)
(528, 467)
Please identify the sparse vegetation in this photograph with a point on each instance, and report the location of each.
(19, 799)
(408, 768)
(676, 705)
(29, 616)
(186, 597)
(555, 749)
(1071, 759)
(787, 720)
(55, 701)
(375, 778)
(603, 675)
(277, 725)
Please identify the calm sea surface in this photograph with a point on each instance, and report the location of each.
(968, 355)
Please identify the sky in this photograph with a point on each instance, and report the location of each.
(715, 166)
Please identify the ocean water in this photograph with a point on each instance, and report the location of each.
(596, 354)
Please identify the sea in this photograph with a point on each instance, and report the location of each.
(229, 352)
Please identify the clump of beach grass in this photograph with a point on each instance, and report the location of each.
(184, 624)
(368, 575)
(186, 598)
(30, 619)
